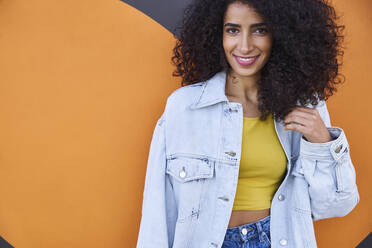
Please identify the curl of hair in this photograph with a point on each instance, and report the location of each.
(305, 57)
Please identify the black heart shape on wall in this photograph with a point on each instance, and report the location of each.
(4, 244)
(167, 13)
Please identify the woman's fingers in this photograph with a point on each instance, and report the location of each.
(308, 122)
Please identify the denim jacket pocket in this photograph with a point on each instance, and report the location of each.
(185, 169)
(189, 177)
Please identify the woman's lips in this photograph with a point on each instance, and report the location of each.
(245, 61)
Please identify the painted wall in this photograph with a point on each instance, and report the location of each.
(82, 84)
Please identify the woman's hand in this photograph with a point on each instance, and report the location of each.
(308, 122)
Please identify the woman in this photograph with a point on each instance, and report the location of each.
(244, 154)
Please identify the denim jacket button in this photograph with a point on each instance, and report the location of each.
(232, 154)
(338, 149)
(281, 197)
(223, 198)
(182, 174)
(283, 242)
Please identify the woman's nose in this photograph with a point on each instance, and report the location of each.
(245, 44)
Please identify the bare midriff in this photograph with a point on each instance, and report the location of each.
(241, 217)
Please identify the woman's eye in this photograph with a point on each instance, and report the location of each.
(261, 30)
(232, 30)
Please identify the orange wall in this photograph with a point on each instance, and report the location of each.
(82, 85)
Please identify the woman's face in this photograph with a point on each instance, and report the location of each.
(246, 41)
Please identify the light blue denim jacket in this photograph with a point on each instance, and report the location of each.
(193, 167)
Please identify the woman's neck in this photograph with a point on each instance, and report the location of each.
(244, 88)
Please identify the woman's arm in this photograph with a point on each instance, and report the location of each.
(158, 206)
(328, 169)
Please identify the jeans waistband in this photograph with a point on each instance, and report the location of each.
(249, 231)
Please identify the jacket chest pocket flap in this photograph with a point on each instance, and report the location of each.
(185, 169)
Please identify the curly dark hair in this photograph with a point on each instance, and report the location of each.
(305, 58)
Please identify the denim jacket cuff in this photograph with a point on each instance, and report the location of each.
(333, 149)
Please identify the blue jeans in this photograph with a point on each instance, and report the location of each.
(252, 235)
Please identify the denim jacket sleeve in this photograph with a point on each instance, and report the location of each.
(329, 171)
(158, 211)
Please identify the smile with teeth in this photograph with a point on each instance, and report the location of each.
(246, 59)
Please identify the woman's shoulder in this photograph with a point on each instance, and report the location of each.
(187, 89)
(191, 94)
(185, 95)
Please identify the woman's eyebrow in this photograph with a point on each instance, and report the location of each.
(252, 25)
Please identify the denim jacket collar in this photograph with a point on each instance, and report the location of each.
(213, 91)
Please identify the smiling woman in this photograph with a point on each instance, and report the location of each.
(244, 154)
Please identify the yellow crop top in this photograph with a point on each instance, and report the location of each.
(262, 165)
